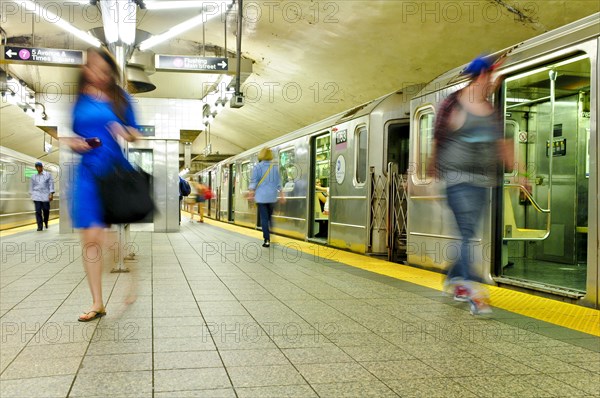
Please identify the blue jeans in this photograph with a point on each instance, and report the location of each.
(265, 211)
(466, 202)
(42, 212)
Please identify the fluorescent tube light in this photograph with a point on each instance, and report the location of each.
(174, 5)
(119, 20)
(49, 16)
(216, 10)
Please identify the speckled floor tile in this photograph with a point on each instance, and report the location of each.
(28, 367)
(585, 381)
(204, 343)
(335, 373)
(253, 357)
(429, 387)
(212, 393)
(289, 391)
(383, 352)
(116, 363)
(187, 360)
(190, 379)
(113, 384)
(42, 387)
(501, 386)
(354, 389)
(329, 354)
(260, 376)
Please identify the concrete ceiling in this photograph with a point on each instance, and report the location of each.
(310, 59)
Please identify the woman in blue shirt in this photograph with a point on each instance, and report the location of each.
(102, 113)
(265, 184)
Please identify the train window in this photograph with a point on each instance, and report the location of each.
(425, 120)
(397, 146)
(287, 166)
(361, 155)
(246, 175)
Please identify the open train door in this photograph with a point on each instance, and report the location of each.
(544, 222)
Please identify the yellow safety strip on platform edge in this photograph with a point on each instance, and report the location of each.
(25, 228)
(571, 316)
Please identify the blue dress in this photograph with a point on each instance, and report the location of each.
(90, 119)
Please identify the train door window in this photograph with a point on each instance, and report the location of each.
(322, 159)
(320, 191)
(246, 174)
(425, 118)
(546, 198)
(287, 167)
(361, 155)
(397, 146)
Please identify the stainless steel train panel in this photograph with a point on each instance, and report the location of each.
(224, 194)
(245, 210)
(349, 185)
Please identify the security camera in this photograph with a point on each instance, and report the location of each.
(44, 116)
(237, 101)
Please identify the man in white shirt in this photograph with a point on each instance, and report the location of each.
(42, 193)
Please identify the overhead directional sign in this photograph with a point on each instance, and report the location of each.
(191, 63)
(39, 55)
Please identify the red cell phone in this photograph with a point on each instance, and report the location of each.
(93, 142)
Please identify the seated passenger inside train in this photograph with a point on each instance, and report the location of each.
(321, 218)
(321, 193)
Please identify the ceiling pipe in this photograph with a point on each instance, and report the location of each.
(238, 78)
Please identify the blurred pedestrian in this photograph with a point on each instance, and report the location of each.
(264, 188)
(184, 191)
(201, 190)
(468, 155)
(102, 113)
(41, 189)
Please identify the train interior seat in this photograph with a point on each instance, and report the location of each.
(511, 230)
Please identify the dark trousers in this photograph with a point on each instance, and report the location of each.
(265, 211)
(42, 213)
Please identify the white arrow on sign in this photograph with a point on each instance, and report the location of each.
(222, 64)
(10, 53)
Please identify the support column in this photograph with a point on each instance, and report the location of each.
(120, 54)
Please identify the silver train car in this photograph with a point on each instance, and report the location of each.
(16, 207)
(540, 230)
(334, 153)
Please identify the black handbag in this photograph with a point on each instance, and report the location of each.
(125, 196)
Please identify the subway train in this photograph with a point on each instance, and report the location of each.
(16, 206)
(539, 232)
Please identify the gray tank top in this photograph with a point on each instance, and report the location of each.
(470, 154)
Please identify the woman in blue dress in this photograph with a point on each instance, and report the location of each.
(102, 112)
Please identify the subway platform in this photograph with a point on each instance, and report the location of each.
(208, 312)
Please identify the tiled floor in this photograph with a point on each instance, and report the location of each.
(216, 315)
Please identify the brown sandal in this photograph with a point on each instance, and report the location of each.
(97, 314)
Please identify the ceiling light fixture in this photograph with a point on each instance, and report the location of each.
(52, 18)
(173, 5)
(119, 21)
(211, 10)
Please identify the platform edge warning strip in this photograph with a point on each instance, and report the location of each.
(571, 316)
